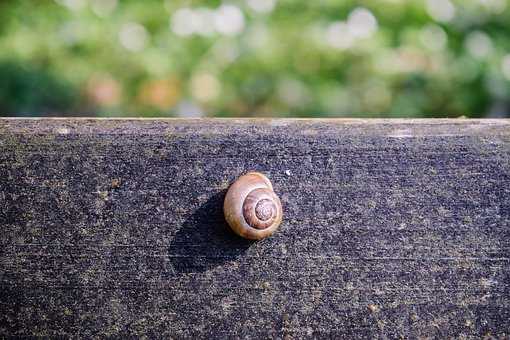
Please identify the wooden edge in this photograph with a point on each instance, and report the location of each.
(272, 121)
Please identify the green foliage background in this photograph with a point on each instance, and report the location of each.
(67, 57)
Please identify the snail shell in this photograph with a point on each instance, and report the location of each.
(251, 207)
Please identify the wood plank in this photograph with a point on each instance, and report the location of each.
(392, 228)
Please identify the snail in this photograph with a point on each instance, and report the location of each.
(251, 207)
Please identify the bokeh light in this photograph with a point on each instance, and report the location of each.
(382, 58)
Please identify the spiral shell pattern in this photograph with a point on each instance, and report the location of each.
(251, 207)
(259, 208)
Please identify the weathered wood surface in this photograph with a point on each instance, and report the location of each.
(391, 229)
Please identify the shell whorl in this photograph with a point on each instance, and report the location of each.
(251, 207)
(260, 209)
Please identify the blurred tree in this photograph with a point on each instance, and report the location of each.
(27, 90)
(383, 58)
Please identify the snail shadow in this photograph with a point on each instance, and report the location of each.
(205, 240)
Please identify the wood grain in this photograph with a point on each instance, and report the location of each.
(392, 228)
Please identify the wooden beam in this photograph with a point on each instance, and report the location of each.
(392, 228)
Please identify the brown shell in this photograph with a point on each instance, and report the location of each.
(251, 207)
